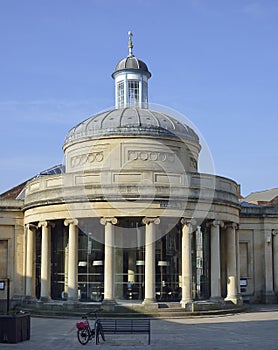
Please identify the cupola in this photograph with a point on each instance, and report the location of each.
(131, 80)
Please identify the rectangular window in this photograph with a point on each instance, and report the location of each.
(120, 94)
(3, 259)
(133, 92)
(145, 94)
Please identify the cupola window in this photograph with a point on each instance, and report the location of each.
(145, 95)
(120, 94)
(133, 92)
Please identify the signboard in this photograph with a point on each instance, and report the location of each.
(2, 285)
(243, 283)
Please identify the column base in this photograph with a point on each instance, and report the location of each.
(269, 298)
(30, 300)
(45, 300)
(235, 299)
(108, 304)
(187, 304)
(216, 299)
(71, 301)
(150, 303)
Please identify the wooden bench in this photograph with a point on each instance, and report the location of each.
(127, 326)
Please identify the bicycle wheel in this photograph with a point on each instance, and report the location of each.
(83, 336)
(99, 331)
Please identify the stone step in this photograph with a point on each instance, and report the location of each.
(120, 310)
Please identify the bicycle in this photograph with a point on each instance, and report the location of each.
(85, 332)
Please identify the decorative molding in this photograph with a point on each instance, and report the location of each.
(149, 220)
(107, 220)
(152, 156)
(87, 158)
(274, 232)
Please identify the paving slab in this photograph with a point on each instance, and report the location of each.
(256, 329)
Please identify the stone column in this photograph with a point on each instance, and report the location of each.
(186, 264)
(238, 265)
(275, 259)
(72, 259)
(30, 268)
(269, 296)
(150, 259)
(45, 261)
(66, 278)
(231, 250)
(215, 262)
(109, 259)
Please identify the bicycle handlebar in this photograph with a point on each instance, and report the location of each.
(91, 312)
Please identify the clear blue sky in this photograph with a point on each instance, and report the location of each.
(215, 61)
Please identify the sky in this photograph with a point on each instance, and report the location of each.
(214, 61)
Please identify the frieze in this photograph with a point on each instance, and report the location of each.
(87, 158)
(151, 155)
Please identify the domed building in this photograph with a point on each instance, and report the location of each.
(129, 216)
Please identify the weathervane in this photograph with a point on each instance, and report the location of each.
(130, 44)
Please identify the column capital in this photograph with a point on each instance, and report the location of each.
(46, 224)
(151, 220)
(215, 223)
(107, 220)
(31, 226)
(191, 223)
(68, 222)
(274, 232)
(231, 225)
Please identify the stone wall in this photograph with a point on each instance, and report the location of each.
(12, 245)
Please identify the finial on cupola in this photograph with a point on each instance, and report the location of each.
(130, 44)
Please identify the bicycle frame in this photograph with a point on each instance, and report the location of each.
(85, 332)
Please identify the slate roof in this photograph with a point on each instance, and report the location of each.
(262, 196)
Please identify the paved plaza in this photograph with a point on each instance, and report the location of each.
(255, 329)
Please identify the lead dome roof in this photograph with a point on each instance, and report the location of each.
(131, 122)
(131, 63)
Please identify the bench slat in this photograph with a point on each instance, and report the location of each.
(126, 326)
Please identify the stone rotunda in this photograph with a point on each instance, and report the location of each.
(131, 218)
